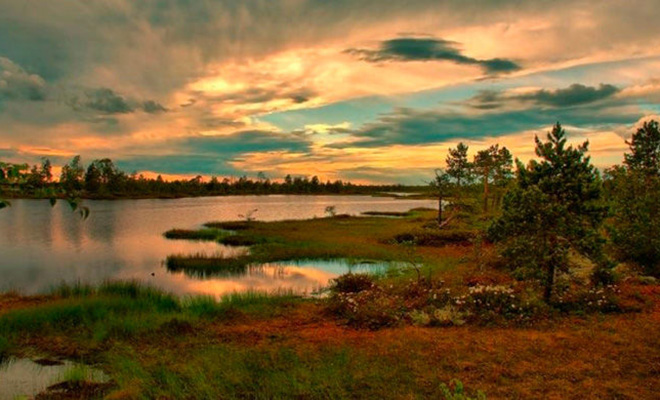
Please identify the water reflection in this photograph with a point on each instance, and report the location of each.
(303, 277)
(43, 246)
(24, 378)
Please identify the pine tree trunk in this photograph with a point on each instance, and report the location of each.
(439, 209)
(549, 283)
(486, 191)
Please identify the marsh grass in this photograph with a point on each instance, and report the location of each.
(337, 237)
(78, 373)
(388, 213)
(90, 315)
(278, 372)
(229, 225)
(333, 237)
(240, 240)
(4, 348)
(201, 264)
(207, 234)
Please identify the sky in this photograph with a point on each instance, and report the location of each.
(369, 91)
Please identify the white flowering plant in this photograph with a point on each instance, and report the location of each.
(490, 303)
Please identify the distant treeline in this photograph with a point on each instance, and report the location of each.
(103, 179)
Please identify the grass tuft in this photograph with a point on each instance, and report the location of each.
(200, 234)
(229, 225)
(201, 265)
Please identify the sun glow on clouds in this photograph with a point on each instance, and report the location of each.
(133, 81)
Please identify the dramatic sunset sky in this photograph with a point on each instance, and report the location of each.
(368, 91)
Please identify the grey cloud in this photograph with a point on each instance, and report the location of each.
(18, 84)
(430, 49)
(152, 107)
(573, 95)
(107, 101)
(411, 127)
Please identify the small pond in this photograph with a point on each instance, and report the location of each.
(305, 277)
(23, 378)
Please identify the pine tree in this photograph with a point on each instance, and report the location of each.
(635, 196)
(442, 186)
(644, 153)
(458, 166)
(555, 207)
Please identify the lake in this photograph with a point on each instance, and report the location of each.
(41, 247)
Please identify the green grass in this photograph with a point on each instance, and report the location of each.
(281, 372)
(77, 374)
(90, 316)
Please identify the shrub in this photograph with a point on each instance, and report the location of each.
(448, 315)
(431, 316)
(420, 318)
(371, 308)
(352, 283)
(487, 303)
(647, 280)
(419, 294)
(595, 299)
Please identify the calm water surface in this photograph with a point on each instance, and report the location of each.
(23, 378)
(42, 246)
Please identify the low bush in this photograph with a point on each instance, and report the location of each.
(352, 283)
(495, 303)
(587, 300)
(372, 308)
(431, 316)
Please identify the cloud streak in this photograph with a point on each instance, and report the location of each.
(430, 49)
(574, 95)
